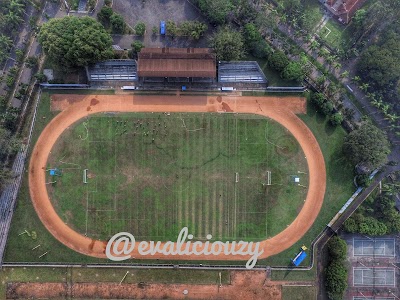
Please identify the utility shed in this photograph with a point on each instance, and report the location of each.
(176, 63)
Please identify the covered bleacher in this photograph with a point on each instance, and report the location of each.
(240, 72)
(115, 69)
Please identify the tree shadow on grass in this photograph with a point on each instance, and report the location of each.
(329, 129)
(320, 117)
(290, 268)
(338, 164)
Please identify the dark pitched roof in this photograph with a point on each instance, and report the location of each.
(344, 9)
(176, 62)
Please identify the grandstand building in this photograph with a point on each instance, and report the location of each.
(177, 64)
(195, 68)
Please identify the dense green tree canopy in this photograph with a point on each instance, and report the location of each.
(117, 23)
(140, 28)
(368, 145)
(337, 248)
(380, 63)
(336, 119)
(278, 61)
(336, 280)
(136, 47)
(216, 10)
(228, 44)
(75, 42)
(105, 14)
(293, 71)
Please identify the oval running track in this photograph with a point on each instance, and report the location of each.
(281, 109)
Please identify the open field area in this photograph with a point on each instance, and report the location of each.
(11, 276)
(153, 174)
(338, 190)
(299, 293)
(337, 36)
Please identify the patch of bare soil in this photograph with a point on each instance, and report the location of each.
(61, 102)
(249, 285)
(19, 290)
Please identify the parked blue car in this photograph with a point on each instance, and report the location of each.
(162, 28)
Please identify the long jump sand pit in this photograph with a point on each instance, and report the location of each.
(281, 109)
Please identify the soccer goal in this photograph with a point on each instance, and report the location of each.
(268, 178)
(85, 176)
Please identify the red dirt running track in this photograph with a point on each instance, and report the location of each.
(280, 109)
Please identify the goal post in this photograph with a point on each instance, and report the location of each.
(85, 176)
(268, 177)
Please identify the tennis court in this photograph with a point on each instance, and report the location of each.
(373, 276)
(374, 247)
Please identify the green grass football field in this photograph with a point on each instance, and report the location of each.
(339, 189)
(153, 174)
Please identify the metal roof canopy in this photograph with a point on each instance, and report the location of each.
(240, 71)
(116, 69)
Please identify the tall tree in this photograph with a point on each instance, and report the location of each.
(293, 71)
(75, 42)
(117, 23)
(217, 11)
(228, 44)
(278, 61)
(368, 145)
(5, 42)
(13, 20)
(105, 14)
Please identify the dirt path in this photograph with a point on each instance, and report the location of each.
(280, 109)
(244, 285)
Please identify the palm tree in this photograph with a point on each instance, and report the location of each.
(16, 7)
(364, 86)
(344, 74)
(392, 118)
(391, 188)
(13, 20)
(5, 42)
(356, 79)
(314, 45)
(337, 65)
(385, 108)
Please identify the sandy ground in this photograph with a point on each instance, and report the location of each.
(280, 109)
(246, 285)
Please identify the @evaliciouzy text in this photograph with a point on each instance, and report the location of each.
(122, 244)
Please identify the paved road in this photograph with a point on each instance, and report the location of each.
(19, 43)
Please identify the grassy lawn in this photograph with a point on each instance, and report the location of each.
(335, 34)
(339, 189)
(299, 293)
(150, 276)
(75, 275)
(293, 275)
(311, 9)
(152, 174)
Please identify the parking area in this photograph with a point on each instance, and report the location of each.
(374, 247)
(151, 12)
